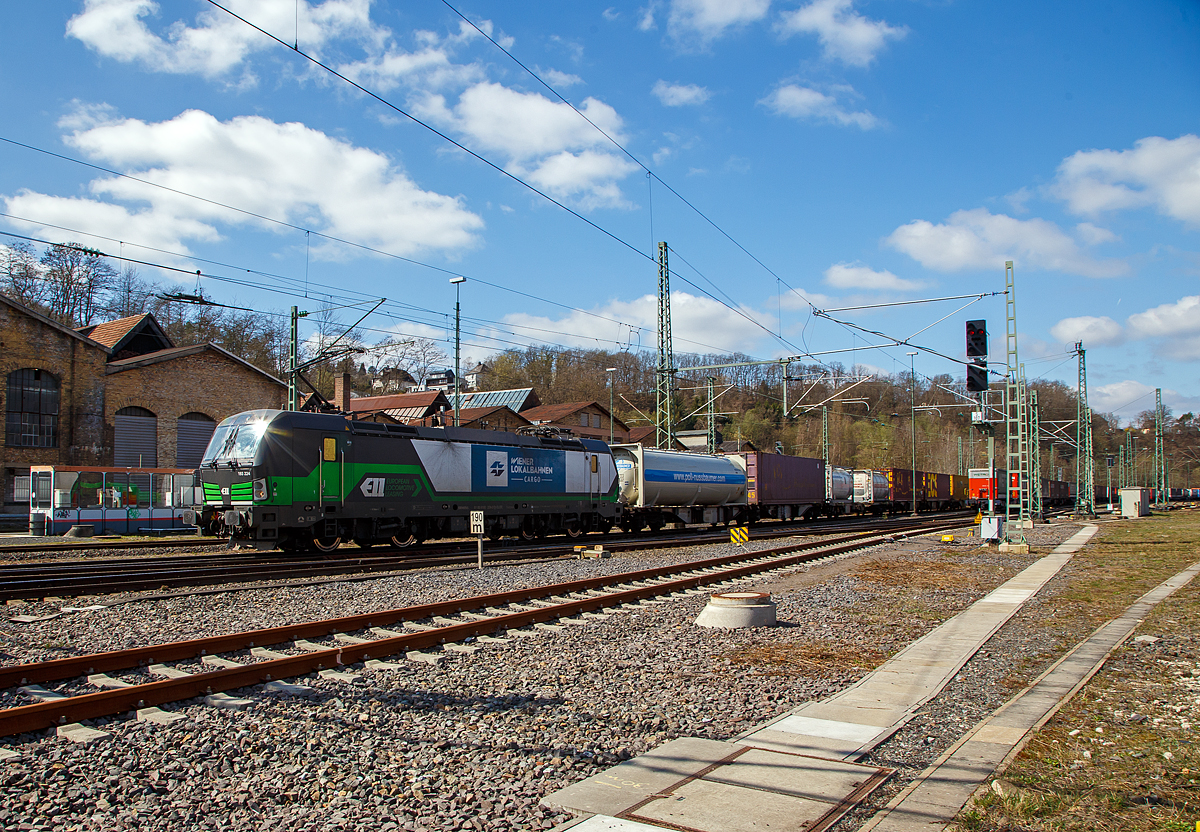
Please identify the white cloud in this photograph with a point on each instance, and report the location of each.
(1163, 174)
(1182, 316)
(698, 324)
(680, 95)
(858, 276)
(646, 17)
(1092, 331)
(706, 20)
(105, 222)
(544, 140)
(218, 43)
(559, 80)
(845, 35)
(1128, 398)
(284, 171)
(429, 68)
(1094, 235)
(978, 239)
(804, 102)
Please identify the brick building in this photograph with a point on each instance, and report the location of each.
(590, 419)
(114, 394)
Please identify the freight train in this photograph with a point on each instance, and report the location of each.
(298, 480)
(983, 488)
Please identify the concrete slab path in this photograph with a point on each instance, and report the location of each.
(936, 797)
(849, 724)
(799, 768)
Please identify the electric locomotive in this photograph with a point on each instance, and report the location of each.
(301, 480)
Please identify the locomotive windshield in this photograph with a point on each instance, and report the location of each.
(234, 443)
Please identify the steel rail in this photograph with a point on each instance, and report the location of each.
(25, 581)
(44, 715)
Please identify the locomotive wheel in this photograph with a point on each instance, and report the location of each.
(528, 533)
(404, 540)
(574, 528)
(326, 544)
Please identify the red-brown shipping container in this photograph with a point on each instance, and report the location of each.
(900, 485)
(778, 479)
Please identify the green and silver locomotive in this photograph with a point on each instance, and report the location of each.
(298, 480)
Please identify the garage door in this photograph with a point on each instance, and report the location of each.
(192, 435)
(135, 443)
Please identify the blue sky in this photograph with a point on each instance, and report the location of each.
(834, 153)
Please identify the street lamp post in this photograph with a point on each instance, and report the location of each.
(457, 281)
(912, 405)
(610, 372)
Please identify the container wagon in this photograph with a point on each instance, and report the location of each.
(783, 487)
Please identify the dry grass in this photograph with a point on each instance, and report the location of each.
(926, 575)
(809, 659)
(1122, 754)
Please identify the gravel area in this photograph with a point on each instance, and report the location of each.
(477, 740)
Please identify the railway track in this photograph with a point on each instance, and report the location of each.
(67, 579)
(475, 618)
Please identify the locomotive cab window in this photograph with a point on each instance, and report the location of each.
(234, 443)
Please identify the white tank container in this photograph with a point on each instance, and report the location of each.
(650, 477)
(839, 484)
(869, 486)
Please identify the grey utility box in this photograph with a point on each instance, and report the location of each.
(991, 528)
(1135, 502)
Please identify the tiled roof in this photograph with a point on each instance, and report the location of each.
(553, 413)
(110, 333)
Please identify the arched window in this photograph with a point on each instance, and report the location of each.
(31, 404)
(135, 438)
(193, 430)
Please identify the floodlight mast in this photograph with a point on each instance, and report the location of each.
(457, 281)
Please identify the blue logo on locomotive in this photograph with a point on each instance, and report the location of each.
(518, 469)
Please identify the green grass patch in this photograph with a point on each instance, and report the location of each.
(1122, 755)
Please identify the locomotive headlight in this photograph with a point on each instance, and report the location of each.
(260, 489)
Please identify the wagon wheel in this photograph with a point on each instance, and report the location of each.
(326, 544)
(404, 539)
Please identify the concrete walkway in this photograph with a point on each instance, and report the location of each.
(849, 724)
(936, 797)
(799, 771)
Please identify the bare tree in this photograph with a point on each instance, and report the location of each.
(21, 276)
(76, 280)
(129, 294)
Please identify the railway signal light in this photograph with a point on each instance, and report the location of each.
(977, 377)
(977, 346)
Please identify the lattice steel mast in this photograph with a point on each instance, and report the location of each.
(1036, 508)
(1085, 470)
(665, 426)
(1016, 439)
(1161, 487)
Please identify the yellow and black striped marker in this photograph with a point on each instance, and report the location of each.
(739, 535)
